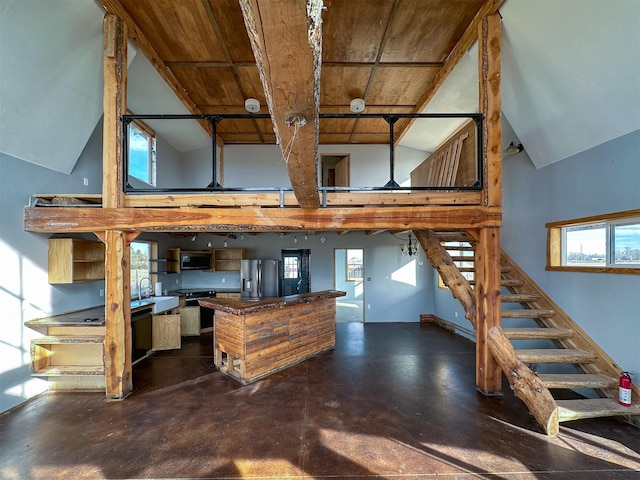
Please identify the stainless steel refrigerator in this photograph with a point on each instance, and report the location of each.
(259, 278)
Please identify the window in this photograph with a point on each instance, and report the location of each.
(607, 244)
(291, 267)
(142, 152)
(143, 277)
(355, 266)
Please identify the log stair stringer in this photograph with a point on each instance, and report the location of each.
(579, 362)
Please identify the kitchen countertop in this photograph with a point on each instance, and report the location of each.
(86, 318)
(240, 307)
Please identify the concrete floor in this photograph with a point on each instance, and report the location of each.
(392, 401)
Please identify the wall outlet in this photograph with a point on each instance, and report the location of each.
(101, 292)
(176, 281)
(224, 280)
(86, 182)
(368, 306)
(455, 314)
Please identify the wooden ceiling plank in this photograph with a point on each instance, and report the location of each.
(464, 44)
(286, 41)
(135, 34)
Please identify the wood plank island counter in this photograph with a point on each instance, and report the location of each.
(255, 339)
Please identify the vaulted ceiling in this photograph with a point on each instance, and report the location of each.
(570, 70)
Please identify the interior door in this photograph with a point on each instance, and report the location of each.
(295, 272)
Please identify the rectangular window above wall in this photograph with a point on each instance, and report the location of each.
(601, 244)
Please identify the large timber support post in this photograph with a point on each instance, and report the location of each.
(117, 344)
(488, 312)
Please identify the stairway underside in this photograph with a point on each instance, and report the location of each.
(562, 358)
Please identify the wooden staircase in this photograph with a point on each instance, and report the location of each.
(564, 357)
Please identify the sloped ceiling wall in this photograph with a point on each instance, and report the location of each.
(50, 79)
(571, 71)
(570, 74)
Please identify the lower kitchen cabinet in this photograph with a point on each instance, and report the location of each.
(165, 332)
(190, 321)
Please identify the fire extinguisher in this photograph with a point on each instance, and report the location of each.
(624, 390)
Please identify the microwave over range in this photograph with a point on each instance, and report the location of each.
(195, 260)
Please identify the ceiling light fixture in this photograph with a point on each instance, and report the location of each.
(512, 149)
(252, 105)
(357, 105)
(411, 249)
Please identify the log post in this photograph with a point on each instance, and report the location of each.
(117, 343)
(525, 384)
(488, 311)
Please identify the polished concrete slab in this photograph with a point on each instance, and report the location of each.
(391, 401)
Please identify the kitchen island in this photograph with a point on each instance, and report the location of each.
(257, 338)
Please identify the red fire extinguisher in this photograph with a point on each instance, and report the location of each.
(624, 390)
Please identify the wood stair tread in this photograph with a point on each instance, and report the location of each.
(64, 370)
(555, 355)
(592, 408)
(506, 282)
(57, 339)
(528, 313)
(519, 297)
(525, 333)
(577, 380)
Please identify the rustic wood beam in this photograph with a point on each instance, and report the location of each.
(334, 199)
(488, 311)
(469, 37)
(73, 219)
(114, 106)
(489, 72)
(286, 41)
(117, 341)
(525, 384)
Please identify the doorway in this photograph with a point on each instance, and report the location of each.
(295, 272)
(349, 277)
(336, 170)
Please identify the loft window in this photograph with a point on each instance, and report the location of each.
(606, 244)
(142, 152)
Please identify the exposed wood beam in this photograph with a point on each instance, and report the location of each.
(286, 41)
(73, 219)
(334, 199)
(464, 44)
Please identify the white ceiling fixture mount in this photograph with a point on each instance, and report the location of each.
(357, 105)
(252, 105)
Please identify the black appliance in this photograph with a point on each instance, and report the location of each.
(191, 297)
(195, 260)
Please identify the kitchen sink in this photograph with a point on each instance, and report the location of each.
(162, 304)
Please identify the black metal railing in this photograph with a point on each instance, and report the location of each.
(214, 186)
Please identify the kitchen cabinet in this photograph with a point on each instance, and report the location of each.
(228, 259)
(70, 352)
(190, 320)
(74, 260)
(165, 332)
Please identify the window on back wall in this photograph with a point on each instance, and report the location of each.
(144, 273)
(603, 244)
(355, 265)
(142, 152)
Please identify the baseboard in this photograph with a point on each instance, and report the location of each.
(447, 325)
